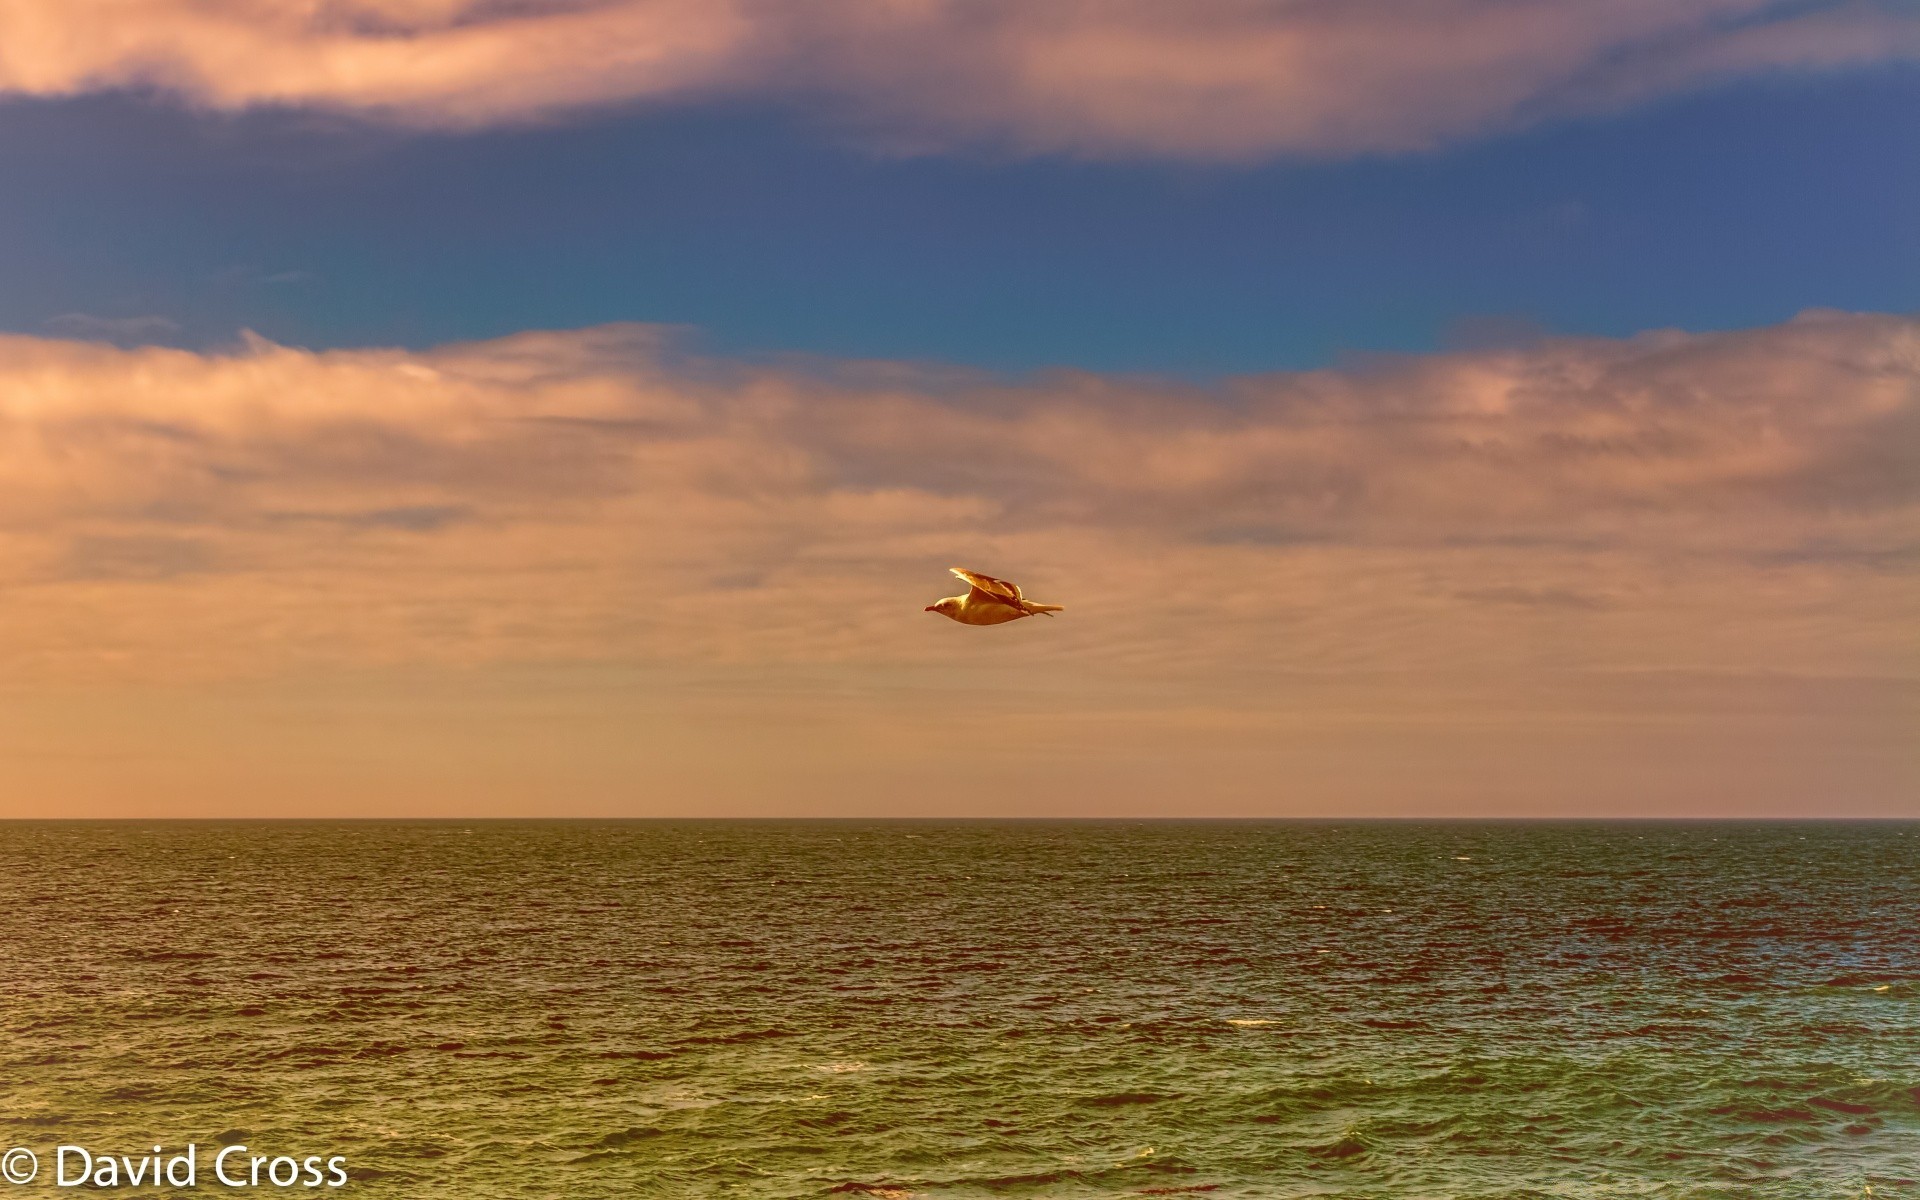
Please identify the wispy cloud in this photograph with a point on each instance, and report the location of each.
(119, 330)
(1204, 79)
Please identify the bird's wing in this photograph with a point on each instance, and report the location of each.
(993, 589)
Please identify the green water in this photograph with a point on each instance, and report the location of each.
(947, 1010)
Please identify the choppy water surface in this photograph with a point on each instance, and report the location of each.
(978, 1009)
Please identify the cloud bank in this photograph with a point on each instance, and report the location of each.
(1732, 503)
(1202, 79)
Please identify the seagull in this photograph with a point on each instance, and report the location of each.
(988, 601)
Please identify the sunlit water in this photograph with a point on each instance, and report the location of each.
(976, 1009)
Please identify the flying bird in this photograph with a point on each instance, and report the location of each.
(988, 601)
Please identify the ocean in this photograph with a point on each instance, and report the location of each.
(969, 1009)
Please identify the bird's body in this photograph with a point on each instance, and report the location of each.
(988, 601)
(970, 611)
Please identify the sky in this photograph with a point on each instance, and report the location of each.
(568, 407)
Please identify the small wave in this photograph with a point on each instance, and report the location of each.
(305, 1051)
(1122, 1099)
(732, 1039)
(832, 1120)
(1763, 1115)
(622, 1137)
(1864, 978)
(381, 1050)
(1346, 1147)
(415, 1148)
(1038, 1178)
(638, 1055)
(513, 1054)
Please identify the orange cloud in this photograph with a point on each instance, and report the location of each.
(1585, 576)
(1205, 79)
(1745, 501)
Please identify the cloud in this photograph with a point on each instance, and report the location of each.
(139, 557)
(119, 330)
(1733, 502)
(1204, 79)
(1549, 597)
(1670, 573)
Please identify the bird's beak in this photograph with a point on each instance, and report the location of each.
(930, 608)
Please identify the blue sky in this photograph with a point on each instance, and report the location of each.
(770, 233)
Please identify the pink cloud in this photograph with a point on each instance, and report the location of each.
(1207, 79)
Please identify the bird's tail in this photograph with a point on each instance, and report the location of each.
(1048, 609)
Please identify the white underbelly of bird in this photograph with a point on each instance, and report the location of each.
(988, 601)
